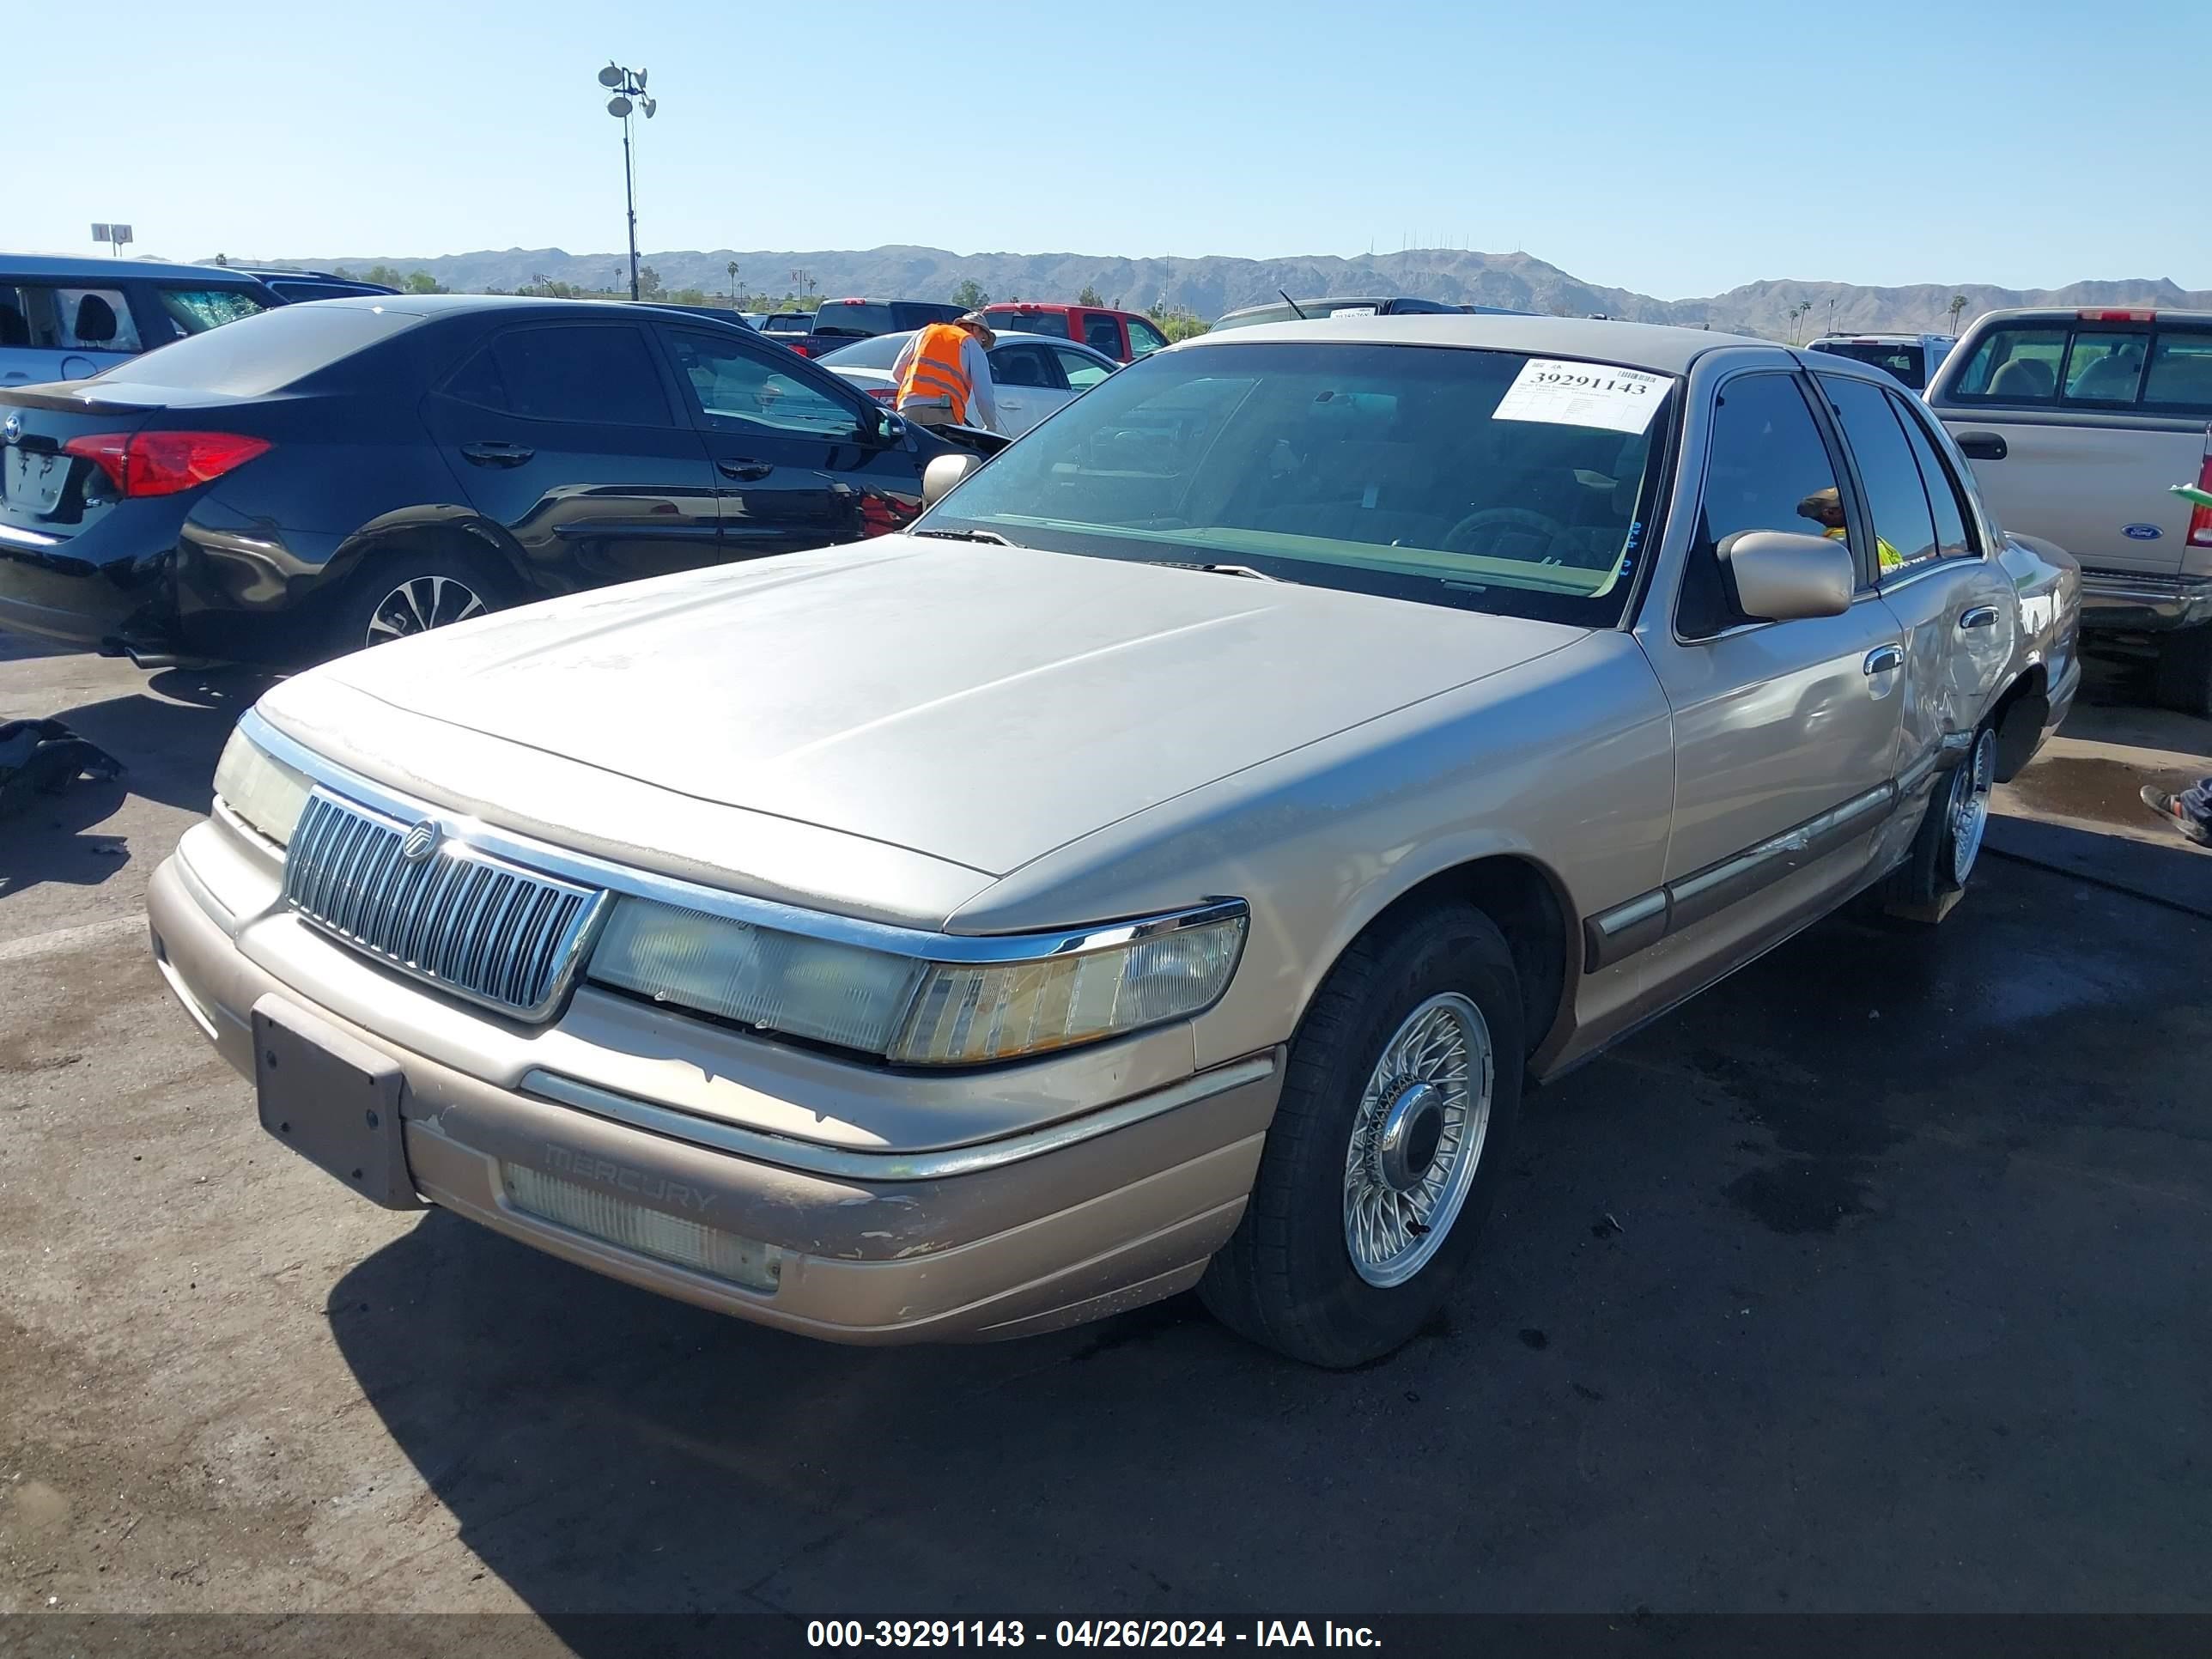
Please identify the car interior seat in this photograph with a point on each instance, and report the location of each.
(2023, 377)
(95, 321)
(2110, 379)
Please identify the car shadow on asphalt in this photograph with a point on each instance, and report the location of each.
(170, 741)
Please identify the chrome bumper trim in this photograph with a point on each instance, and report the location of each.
(2143, 600)
(782, 1150)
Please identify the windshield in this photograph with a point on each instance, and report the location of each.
(1483, 480)
(1310, 309)
(879, 352)
(858, 319)
(1909, 363)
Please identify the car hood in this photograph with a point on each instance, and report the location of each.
(979, 704)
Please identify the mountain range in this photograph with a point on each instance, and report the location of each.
(1213, 284)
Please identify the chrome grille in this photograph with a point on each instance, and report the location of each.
(472, 924)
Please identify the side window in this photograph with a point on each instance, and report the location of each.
(15, 316)
(1945, 496)
(1767, 468)
(1083, 373)
(1904, 525)
(1143, 337)
(2180, 376)
(735, 387)
(1102, 334)
(2106, 366)
(196, 310)
(89, 320)
(2014, 365)
(589, 375)
(1020, 365)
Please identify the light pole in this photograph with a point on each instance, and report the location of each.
(628, 85)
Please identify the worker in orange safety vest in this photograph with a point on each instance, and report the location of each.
(944, 377)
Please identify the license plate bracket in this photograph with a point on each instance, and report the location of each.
(332, 1100)
(33, 481)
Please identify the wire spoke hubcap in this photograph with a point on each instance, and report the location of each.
(420, 603)
(1970, 805)
(1416, 1139)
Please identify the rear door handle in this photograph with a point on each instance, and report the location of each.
(1884, 658)
(495, 453)
(1982, 616)
(1981, 446)
(742, 470)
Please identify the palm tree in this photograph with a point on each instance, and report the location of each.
(1957, 304)
(1796, 316)
(734, 282)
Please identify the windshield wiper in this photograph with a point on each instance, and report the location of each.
(991, 536)
(1217, 569)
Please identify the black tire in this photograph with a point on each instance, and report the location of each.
(1286, 1279)
(2184, 672)
(447, 585)
(1934, 870)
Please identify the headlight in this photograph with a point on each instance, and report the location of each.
(260, 789)
(913, 1011)
(806, 988)
(968, 1013)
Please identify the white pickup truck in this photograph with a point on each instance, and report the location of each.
(2078, 424)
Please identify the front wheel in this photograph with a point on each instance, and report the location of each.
(1398, 1104)
(2184, 671)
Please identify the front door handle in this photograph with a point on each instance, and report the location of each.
(1982, 616)
(1884, 658)
(742, 470)
(497, 454)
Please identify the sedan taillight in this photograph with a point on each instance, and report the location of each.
(164, 463)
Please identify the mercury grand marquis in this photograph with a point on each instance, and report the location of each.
(1166, 866)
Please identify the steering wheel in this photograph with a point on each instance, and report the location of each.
(1459, 538)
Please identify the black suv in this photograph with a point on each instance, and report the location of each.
(324, 476)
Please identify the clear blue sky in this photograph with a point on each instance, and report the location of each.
(1674, 149)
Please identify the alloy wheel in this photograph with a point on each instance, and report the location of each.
(1416, 1139)
(420, 603)
(1970, 805)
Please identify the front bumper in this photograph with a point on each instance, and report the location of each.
(1048, 1232)
(2138, 602)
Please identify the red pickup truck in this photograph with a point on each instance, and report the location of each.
(1124, 335)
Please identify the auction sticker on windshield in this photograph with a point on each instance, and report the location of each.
(1581, 394)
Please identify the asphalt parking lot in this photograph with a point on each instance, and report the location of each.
(1876, 1279)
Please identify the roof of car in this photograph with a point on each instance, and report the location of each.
(2075, 313)
(437, 305)
(1631, 345)
(63, 265)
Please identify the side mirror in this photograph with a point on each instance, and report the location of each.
(1981, 446)
(942, 475)
(1782, 576)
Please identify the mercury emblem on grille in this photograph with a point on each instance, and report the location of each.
(422, 841)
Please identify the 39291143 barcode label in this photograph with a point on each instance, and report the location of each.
(1561, 393)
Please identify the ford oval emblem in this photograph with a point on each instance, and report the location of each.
(2140, 532)
(12, 429)
(422, 841)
